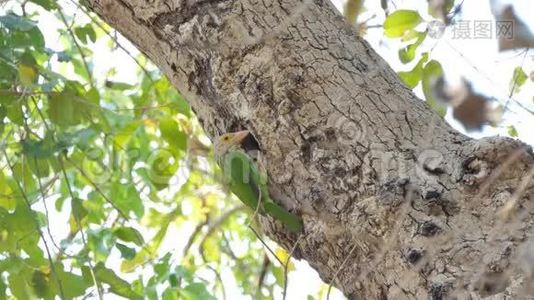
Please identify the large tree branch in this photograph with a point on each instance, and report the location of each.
(368, 165)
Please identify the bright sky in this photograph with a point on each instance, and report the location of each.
(477, 60)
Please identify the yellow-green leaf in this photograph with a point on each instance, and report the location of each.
(284, 257)
(431, 73)
(116, 284)
(401, 21)
(27, 74)
(512, 131)
(519, 78)
(7, 197)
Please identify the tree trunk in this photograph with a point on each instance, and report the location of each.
(396, 204)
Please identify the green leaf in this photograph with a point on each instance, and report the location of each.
(400, 21)
(278, 273)
(3, 288)
(125, 134)
(7, 197)
(39, 148)
(15, 22)
(162, 165)
(116, 284)
(171, 133)
(15, 114)
(518, 79)
(129, 234)
(74, 286)
(18, 286)
(512, 131)
(407, 54)
(196, 291)
(121, 86)
(27, 69)
(127, 199)
(171, 294)
(126, 252)
(181, 105)
(63, 56)
(46, 4)
(40, 167)
(412, 78)
(211, 249)
(100, 242)
(431, 73)
(62, 110)
(78, 213)
(85, 32)
(37, 38)
(40, 284)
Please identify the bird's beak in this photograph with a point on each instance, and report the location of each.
(239, 137)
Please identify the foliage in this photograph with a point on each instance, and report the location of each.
(407, 25)
(107, 187)
(399, 22)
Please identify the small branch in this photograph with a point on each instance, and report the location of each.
(219, 279)
(95, 186)
(287, 264)
(263, 273)
(193, 236)
(219, 222)
(97, 189)
(79, 224)
(339, 270)
(84, 59)
(113, 38)
(265, 245)
(36, 223)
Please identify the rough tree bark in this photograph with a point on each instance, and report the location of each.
(396, 203)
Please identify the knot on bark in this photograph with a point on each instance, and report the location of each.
(492, 155)
(476, 171)
(440, 289)
(392, 192)
(413, 255)
(491, 283)
(428, 229)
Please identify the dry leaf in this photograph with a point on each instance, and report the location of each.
(512, 32)
(469, 108)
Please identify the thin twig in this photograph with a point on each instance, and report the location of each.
(97, 189)
(219, 279)
(108, 33)
(256, 211)
(84, 59)
(265, 245)
(79, 99)
(286, 281)
(43, 197)
(512, 90)
(339, 270)
(95, 186)
(193, 236)
(217, 223)
(263, 272)
(80, 228)
(37, 227)
(519, 192)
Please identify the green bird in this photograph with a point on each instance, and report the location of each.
(247, 179)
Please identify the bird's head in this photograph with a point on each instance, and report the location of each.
(229, 141)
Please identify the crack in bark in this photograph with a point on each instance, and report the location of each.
(299, 77)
